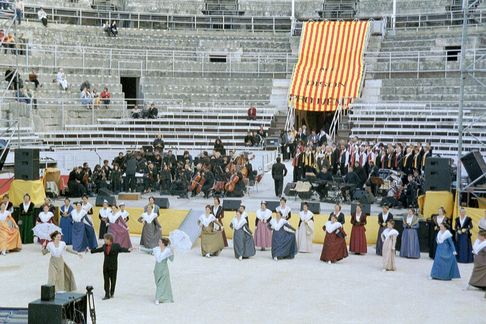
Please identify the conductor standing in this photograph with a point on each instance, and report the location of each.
(279, 171)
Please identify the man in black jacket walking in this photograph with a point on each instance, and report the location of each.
(110, 264)
(279, 171)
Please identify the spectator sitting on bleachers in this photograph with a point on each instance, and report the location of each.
(249, 139)
(252, 113)
(96, 98)
(152, 112)
(158, 143)
(136, 112)
(113, 29)
(41, 14)
(86, 98)
(106, 28)
(86, 85)
(218, 147)
(9, 42)
(22, 96)
(61, 79)
(33, 78)
(105, 97)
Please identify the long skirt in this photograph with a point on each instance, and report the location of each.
(43, 231)
(225, 239)
(9, 236)
(379, 242)
(151, 234)
(83, 237)
(163, 292)
(263, 235)
(357, 242)
(60, 275)
(464, 248)
(120, 234)
(304, 238)
(445, 264)
(334, 248)
(432, 242)
(211, 241)
(103, 229)
(478, 276)
(389, 253)
(26, 229)
(410, 247)
(67, 229)
(284, 245)
(243, 244)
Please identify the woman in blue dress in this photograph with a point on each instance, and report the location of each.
(284, 244)
(445, 264)
(463, 226)
(66, 222)
(84, 236)
(410, 247)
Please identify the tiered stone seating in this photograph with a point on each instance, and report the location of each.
(381, 8)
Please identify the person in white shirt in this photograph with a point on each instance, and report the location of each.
(42, 15)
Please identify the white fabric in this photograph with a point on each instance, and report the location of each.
(215, 209)
(305, 217)
(45, 217)
(161, 255)
(4, 215)
(26, 207)
(462, 220)
(105, 212)
(263, 214)
(285, 211)
(331, 227)
(113, 217)
(237, 224)
(41, 14)
(478, 246)
(409, 220)
(78, 216)
(440, 219)
(149, 217)
(358, 217)
(278, 225)
(44, 230)
(124, 214)
(385, 216)
(482, 223)
(441, 237)
(87, 207)
(389, 232)
(56, 251)
(206, 220)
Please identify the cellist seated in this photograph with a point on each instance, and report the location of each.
(236, 186)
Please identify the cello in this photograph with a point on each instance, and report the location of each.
(194, 182)
(230, 186)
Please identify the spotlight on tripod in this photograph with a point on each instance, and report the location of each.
(91, 303)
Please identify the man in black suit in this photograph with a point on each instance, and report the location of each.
(352, 182)
(279, 171)
(110, 264)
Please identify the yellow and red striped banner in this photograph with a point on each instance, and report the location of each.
(330, 65)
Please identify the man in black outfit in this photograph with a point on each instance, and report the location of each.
(352, 182)
(110, 264)
(130, 169)
(324, 178)
(279, 171)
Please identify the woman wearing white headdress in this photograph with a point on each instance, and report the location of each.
(284, 245)
(45, 227)
(212, 242)
(118, 228)
(151, 231)
(263, 235)
(243, 243)
(334, 247)
(389, 239)
(305, 233)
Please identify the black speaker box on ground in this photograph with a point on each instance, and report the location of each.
(287, 191)
(271, 142)
(366, 208)
(162, 202)
(475, 167)
(48, 292)
(231, 204)
(26, 164)
(99, 200)
(64, 308)
(438, 174)
(273, 204)
(314, 207)
(105, 192)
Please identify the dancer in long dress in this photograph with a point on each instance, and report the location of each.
(163, 253)
(284, 245)
(334, 246)
(357, 242)
(211, 234)
(435, 221)
(218, 212)
(478, 276)
(305, 232)
(445, 264)
(383, 218)
(284, 210)
(263, 235)
(118, 228)
(463, 228)
(87, 206)
(389, 239)
(9, 231)
(84, 236)
(44, 225)
(124, 213)
(60, 275)
(243, 243)
(103, 215)
(66, 222)
(151, 231)
(26, 220)
(338, 213)
(410, 247)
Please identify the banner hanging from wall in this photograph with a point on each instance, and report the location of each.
(330, 65)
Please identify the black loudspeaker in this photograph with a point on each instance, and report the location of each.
(64, 308)
(48, 292)
(26, 164)
(438, 174)
(231, 204)
(366, 208)
(99, 200)
(162, 202)
(288, 187)
(475, 167)
(105, 192)
(314, 207)
(273, 204)
(271, 142)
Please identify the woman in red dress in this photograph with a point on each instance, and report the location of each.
(334, 247)
(357, 242)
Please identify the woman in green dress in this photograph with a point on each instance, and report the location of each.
(162, 253)
(26, 220)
